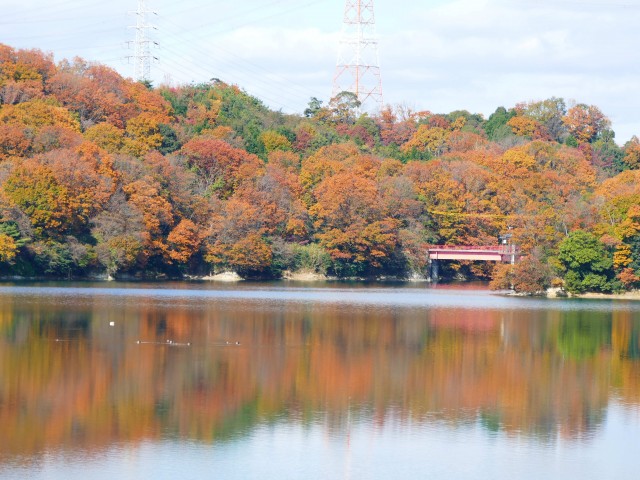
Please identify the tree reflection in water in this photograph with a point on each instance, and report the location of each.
(69, 380)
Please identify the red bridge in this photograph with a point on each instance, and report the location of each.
(494, 253)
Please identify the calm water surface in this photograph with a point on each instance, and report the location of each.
(274, 381)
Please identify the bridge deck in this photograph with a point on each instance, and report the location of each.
(494, 253)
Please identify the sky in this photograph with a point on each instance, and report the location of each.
(437, 55)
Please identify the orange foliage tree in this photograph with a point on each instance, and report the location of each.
(37, 114)
(13, 141)
(184, 241)
(222, 166)
(585, 122)
(427, 140)
(350, 223)
(58, 191)
(632, 153)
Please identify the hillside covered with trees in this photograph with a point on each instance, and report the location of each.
(100, 175)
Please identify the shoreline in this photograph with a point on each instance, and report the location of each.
(313, 277)
(559, 293)
(633, 295)
(222, 277)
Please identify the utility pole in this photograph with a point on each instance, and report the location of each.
(358, 66)
(142, 57)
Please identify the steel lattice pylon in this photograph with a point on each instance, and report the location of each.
(358, 66)
(142, 45)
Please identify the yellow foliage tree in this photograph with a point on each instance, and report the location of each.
(622, 256)
(106, 136)
(518, 158)
(458, 124)
(142, 135)
(274, 141)
(8, 248)
(37, 114)
(523, 126)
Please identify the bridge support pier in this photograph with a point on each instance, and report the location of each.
(434, 271)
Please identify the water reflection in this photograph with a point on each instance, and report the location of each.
(215, 368)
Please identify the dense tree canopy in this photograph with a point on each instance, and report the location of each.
(100, 174)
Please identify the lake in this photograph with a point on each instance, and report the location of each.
(323, 381)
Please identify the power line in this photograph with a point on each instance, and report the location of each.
(250, 66)
(50, 10)
(66, 33)
(243, 65)
(243, 14)
(208, 74)
(236, 26)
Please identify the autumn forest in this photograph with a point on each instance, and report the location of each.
(104, 176)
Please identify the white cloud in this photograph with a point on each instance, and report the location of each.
(479, 55)
(270, 45)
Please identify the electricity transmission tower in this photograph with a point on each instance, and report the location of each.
(358, 66)
(142, 57)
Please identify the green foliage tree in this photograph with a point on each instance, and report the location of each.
(313, 108)
(170, 142)
(66, 260)
(587, 264)
(607, 155)
(344, 107)
(495, 126)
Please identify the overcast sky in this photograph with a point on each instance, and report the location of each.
(438, 55)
